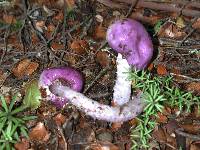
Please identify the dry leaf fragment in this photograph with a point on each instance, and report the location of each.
(56, 46)
(103, 58)
(40, 25)
(59, 119)
(196, 24)
(150, 67)
(24, 68)
(9, 19)
(161, 69)
(22, 145)
(161, 118)
(180, 22)
(39, 133)
(79, 47)
(59, 16)
(100, 33)
(103, 146)
(194, 86)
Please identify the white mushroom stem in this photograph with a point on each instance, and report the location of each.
(101, 111)
(122, 88)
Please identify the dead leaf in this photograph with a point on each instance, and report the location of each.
(196, 24)
(170, 30)
(180, 22)
(100, 33)
(57, 46)
(161, 69)
(191, 128)
(40, 25)
(79, 47)
(159, 135)
(59, 119)
(161, 118)
(195, 146)
(59, 16)
(22, 145)
(103, 58)
(151, 66)
(194, 87)
(9, 19)
(116, 126)
(24, 68)
(50, 28)
(103, 146)
(39, 133)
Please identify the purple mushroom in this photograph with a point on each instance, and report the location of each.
(130, 38)
(66, 76)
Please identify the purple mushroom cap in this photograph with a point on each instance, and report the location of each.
(66, 76)
(130, 38)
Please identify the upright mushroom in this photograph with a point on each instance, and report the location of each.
(130, 39)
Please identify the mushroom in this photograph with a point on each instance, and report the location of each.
(130, 39)
(66, 76)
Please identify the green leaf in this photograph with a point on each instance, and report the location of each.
(24, 132)
(18, 109)
(32, 96)
(12, 102)
(3, 123)
(4, 105)
(26, 118)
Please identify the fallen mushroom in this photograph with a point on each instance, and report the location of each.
(127, 37)
(67, 76)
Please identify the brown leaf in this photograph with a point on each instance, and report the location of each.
(196, 24)
(103, 146)
(116, 126)
(103, 58)
(24, 68)
(50, 28)
(56, 46)
(59, 119)
(161, 118)
(100, 33)
(194, 86)
(9, 19)
(79, 47)
(39, 133)
(191, 128)
(22, 145)
(161, 69)
(171, 30)
(150, 67)
(40, 25)
(59, 16)
(159, 135)
(180, 22)
(195, 146)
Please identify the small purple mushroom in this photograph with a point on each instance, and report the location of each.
(130, 38)
(66, 76)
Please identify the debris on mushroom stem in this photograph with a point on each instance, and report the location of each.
(130, 38)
